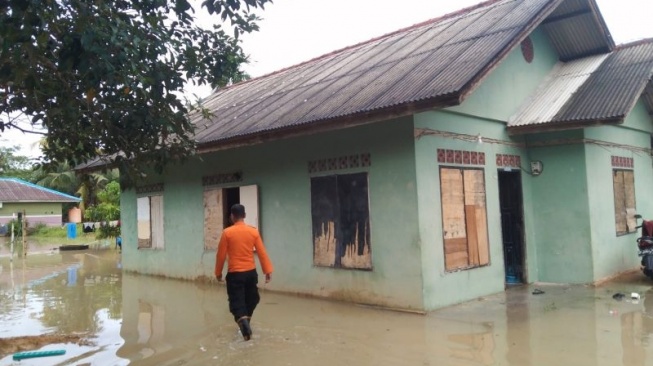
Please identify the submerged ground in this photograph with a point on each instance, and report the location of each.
(81, 302)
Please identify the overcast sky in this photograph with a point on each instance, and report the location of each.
(294, 31)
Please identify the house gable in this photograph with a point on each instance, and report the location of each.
(596, 90)
(505, 89)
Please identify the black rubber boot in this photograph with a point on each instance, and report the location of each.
(245, 328)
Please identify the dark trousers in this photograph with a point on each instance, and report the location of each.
(243, 293)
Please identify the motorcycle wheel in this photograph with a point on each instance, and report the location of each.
(648, 273)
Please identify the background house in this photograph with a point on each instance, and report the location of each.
(505, 143)
(41, 205)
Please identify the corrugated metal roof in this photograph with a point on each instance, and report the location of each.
(434, 62)
(555, 92)
(16, 190)
(648, 97)
(597, 89)
(577, 29)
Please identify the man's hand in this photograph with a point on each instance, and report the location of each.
(219, 277)
(268, 277)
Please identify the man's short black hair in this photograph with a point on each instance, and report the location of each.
(238, 211)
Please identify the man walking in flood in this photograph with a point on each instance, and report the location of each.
(237, 246)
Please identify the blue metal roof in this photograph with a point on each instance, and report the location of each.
(18, 190)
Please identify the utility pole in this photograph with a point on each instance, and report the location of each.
(24, 224)
(11, 250)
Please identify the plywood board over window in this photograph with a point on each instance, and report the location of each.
(624, 201)
(341, 221)
(464, 218)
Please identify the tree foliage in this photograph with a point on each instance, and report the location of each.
(13, 164)
(107, 76)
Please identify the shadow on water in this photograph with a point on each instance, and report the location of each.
(143, 320)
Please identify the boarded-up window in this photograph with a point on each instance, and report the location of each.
(217, 203)
(624, 201)
(464, 218)
(149, 212)
(341, 221)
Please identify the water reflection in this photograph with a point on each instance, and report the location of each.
(143, 320)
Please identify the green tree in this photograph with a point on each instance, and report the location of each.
(107, 75)
(86, 186)
(14, 165)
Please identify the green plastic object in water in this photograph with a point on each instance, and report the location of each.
(22, 355)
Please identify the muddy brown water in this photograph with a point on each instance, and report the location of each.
(141, 320)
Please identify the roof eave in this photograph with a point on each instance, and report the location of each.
(563, 125)
(353, 120)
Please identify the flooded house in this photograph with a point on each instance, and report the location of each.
(40, 205)
(508, 142)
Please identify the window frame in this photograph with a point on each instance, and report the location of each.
(363, 262)
(155, 240)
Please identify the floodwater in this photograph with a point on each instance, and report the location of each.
(143, 320)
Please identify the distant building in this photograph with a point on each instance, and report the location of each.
(41, 205)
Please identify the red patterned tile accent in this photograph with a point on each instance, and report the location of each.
(462, 157)
(458, 156)
(505, 160)
(622, 162)
(450, 159)
(442, 158)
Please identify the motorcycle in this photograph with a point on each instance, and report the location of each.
(645, 245)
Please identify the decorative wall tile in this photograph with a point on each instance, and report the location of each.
(622, 162)
(354, 161)
(462, 157)
(343, 162)
(505, 160)
(333, 163)
(366, 160)
(223, 178)
(442, 157)
(339, 163)
(150, 188)
(458, 157)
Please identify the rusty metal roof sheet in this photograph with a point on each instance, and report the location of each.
(598, 89)
(428, 65)
(433, 64)
(16, 190)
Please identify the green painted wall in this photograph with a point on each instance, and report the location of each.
(442, 288)
(484, 112)
(561, 223)
(281, 170)
(37, 208)
(613, 254)
(506, 88)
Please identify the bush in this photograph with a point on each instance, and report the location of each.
(107, 231)
(17, 228)
(49, 231)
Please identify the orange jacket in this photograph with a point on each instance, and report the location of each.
(238, 242)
